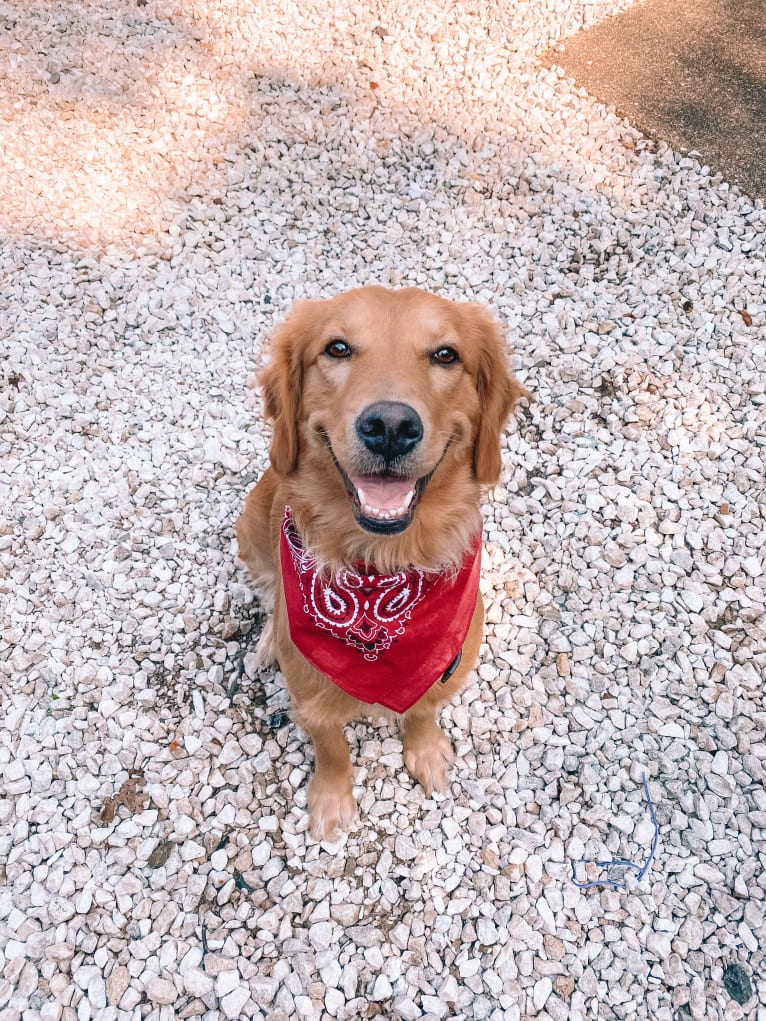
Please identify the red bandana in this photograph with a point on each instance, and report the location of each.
(384, 639)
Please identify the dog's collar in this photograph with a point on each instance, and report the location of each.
(384, 639)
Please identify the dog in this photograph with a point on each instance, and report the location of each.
(364, 534)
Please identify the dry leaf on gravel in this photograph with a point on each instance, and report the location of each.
(128, 795)
(160, 854)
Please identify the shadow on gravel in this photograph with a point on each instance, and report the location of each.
(116, 119)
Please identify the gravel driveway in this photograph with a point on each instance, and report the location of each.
(171, 178)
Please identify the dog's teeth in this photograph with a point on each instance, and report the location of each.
(379, 513)
(384, 515)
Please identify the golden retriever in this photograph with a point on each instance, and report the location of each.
(364, 534)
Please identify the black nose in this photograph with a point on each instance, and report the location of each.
(390, 429)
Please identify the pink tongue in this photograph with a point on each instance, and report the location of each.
(381, 493)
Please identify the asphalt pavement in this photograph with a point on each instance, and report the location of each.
(692, 73)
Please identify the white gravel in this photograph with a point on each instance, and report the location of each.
(171, 178)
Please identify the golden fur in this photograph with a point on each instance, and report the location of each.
(315, 400)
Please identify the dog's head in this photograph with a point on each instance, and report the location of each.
(387, 387)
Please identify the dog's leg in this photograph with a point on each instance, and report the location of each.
(256, 549)
(265, 650)
(427, 751)
(331, 803)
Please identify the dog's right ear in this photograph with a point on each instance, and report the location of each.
(282, 384)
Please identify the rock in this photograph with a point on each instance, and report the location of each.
(486, 931)
(434, 1006)
(724, 706)
(533, 866)
(554, 947)
(117, 982)
(334, 1002)
(720, 763)
(263, 989)
(321, 935)
(365, 935)
(693, 600)
(381, 989)
(161, 991)
(564, 986)
(197, 982)
(405, 849)
(658, 943)
(692, 933)
(737, 983)
(60, 910)
(232, 1003)
(226, 982)
(541, 991)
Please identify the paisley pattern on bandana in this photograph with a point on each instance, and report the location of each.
(366, 611)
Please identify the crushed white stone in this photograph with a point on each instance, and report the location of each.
(171, 181)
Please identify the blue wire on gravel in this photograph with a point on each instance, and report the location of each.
(640, 869)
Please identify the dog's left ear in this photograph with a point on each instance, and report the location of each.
(498, 390)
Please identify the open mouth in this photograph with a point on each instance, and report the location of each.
(383, 503)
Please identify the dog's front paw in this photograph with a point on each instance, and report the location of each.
(331, 807)
(428, 759)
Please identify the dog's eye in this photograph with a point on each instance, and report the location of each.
(338, 349)
(445, 356)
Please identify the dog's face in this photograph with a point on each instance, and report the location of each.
(386, 386)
